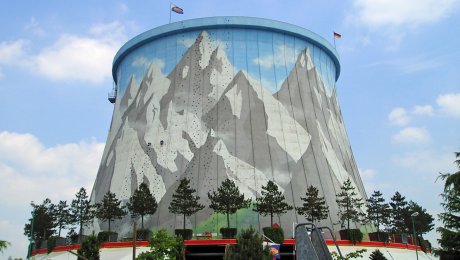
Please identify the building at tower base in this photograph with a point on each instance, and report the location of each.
(237, 98)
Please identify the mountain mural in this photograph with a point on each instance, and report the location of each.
(208, 121)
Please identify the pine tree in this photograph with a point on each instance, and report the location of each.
(81, 211)
(377, 255)
(350, 204)
(109, 208)
(44, 222)
(183, 201)
(271, 202)
(62, 216)
(378, 212)
(450, 232)
(314, 207)
(142, 203)
(228, 199)
(423, 222)
(399, 213)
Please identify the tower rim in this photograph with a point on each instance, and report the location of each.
(225, 22)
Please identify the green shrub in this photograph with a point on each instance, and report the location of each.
(356, 254)
(377, 255)
(249, 246)
(51, 244)
(163, 246)
(274, 234)
(355, 235)
(89, 248)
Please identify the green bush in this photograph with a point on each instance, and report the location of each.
(377, 255)
(249, 246)
(163, 246)
(89, 248)
(274, 234)
(355, 235)
(105, 236)
(186, 234)
(51, 244)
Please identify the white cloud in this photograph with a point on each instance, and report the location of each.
(12, 52)
(426, 162)
(32, 171)
(426, 110)
(284, 56)
(71, 57)
(412, 135)
(29, 171)
(396, 13)
(398, 116)
(144, 63)
(34, 27)
(449, 104)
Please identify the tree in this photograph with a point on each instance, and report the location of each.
(81, 211)
(228, 199)
(399, 213)
(350, 204)
(3, 245)
(423, 222)
(450, 232)
(109, 208)
(142, 203)
(378, 212)
(271, 202)
(249, 246)
(314, 207)
(377, 255)
(62, 216)
(183, 201)
(89, 248)
(43, 226)
(163, 246)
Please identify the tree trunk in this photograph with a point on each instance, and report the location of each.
(109, 225)
(142, 222)
(79, 233)
(228, 220)
(271, 219)
(184, 221)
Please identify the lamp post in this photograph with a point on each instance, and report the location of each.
(31, 237)
(413, 215)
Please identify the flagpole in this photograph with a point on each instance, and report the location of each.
(170, 4)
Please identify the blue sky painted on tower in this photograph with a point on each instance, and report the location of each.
(399, 90)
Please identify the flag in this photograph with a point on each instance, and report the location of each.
(338, 36)
(177, 9)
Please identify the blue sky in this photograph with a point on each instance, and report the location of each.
(399, 90)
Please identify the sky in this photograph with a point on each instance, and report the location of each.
(399, 90)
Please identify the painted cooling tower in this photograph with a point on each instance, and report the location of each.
(247, 99)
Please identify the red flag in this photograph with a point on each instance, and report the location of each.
(338, 36)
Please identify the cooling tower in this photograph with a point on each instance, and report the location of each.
(237, 98)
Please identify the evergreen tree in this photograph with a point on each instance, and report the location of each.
(109, 208)
(184, 201)
(423, 222)
(377, 255)
(399, 213)
(43, 221)
(228, 199)
(3, 245)
(271, 202)
(350, 204)
(62, 216)
(378, 212)
(314, 207)
(81, 211)
(450, 232)
(89, 248)
(142, 203)
(249, 246)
